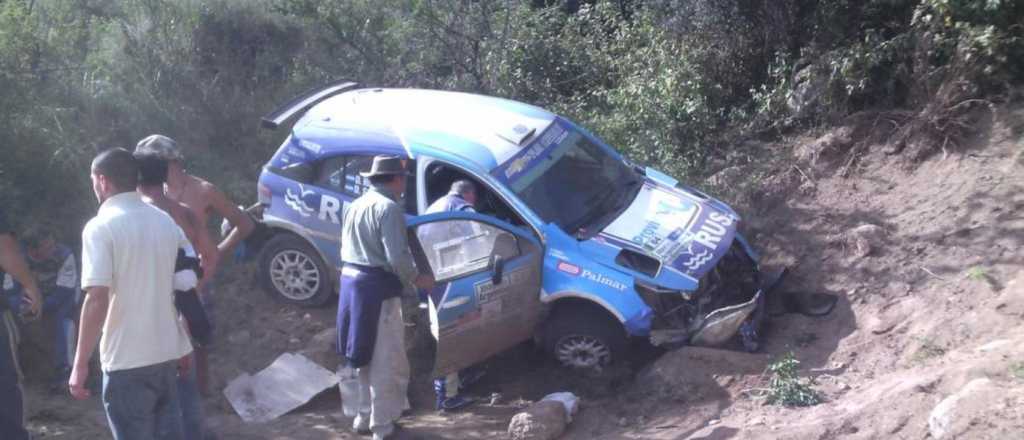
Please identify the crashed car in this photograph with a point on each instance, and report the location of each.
(572, 244)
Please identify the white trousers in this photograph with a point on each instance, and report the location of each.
(383, 383)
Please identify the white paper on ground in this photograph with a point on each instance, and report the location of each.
(288, 383)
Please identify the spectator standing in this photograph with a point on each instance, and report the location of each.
(204, 200)
(56, 270)
(128, 263)
(378, 267)
(12, 410)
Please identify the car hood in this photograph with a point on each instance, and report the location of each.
(687, 231)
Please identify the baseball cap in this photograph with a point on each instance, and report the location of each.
(160, 146)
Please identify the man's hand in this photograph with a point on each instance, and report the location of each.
(76, 384)
(35, 302)
(424, 281)
(184, 364)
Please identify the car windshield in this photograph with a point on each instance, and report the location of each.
(569, 180)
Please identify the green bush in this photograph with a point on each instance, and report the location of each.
(785, 386)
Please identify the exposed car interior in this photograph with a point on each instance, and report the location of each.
(439, 179)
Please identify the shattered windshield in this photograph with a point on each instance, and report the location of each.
(569, 180)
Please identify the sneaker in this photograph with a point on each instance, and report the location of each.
(361, 424)
(454, 403)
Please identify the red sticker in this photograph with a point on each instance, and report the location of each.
(568, 268)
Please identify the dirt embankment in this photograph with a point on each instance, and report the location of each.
(926, 341)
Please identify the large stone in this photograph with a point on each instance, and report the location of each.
(864, 239)
(955, 413)
(544, 420)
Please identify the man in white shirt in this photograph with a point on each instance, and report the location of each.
(128, 255)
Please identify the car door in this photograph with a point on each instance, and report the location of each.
(488, 274)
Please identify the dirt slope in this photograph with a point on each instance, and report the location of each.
(926, 341)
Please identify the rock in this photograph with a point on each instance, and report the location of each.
(991, 346)
(953, 416)
(864, 239)
(727, 177)
(829, 145)
(544, 420)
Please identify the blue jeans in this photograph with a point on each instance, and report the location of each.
(191, 405)
(59, 306)
(12, 415)
(139, 400)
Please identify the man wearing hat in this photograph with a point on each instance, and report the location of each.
(378, 267)
(203, 199)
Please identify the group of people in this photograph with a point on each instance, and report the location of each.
(147, 264)
(141, 306)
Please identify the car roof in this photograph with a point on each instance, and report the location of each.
(480, 131)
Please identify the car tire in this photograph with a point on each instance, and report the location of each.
(584, 336)
(292, 272)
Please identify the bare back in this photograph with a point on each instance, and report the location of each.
(196, 197)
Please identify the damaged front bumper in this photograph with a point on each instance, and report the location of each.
(731, 302)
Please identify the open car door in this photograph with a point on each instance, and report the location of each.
(488, 275)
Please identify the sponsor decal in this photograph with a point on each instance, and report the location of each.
(486, 291)
(292, 151)
(530, 156)
(328, 208)
(602, 279)
(701, 245)
(569, 268)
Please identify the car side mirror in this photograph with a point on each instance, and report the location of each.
(498, 269)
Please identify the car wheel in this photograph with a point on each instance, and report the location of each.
(584, 336)
(293, 272)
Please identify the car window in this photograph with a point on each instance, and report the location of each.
(456, 248)
(341, 174)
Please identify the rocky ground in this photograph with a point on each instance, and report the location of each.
(926, 341)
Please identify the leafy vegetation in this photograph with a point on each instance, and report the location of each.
(785, 386)
(669, 82)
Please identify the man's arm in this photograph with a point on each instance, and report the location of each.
(12, 263)
(396, 248)
(94, 313)
(242, 225)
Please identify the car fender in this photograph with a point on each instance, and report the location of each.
(607, 289)
(307, 234)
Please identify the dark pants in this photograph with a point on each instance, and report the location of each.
(59, 306)
(12, 416)
(142, 403)
(191, 405)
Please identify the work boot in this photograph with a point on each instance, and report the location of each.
(361, 424)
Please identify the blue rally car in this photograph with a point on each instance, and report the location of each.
(572, 244)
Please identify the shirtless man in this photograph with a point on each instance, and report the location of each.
(152, 176)
(203, 199)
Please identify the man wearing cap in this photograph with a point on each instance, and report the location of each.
(378, 267)
(204, 199)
